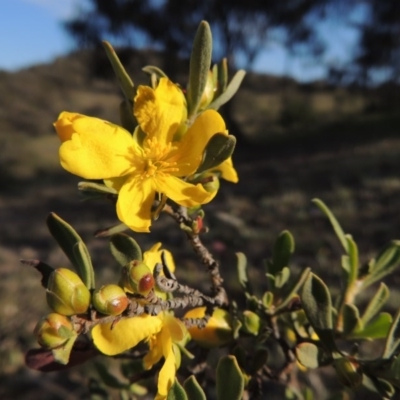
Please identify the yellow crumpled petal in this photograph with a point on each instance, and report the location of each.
(160, 111)
(125, 334)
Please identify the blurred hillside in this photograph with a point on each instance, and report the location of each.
(296, 142)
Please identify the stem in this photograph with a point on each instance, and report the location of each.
(181, 217)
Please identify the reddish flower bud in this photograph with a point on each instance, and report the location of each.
(110, 300)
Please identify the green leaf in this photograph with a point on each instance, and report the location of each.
(124, 80)
(152, 70)
(335, 224)
(85, 266)
(310, 356)
(351, 318)
(95, 187)
(218, 149)
(222, 77)
(293, 289)
(124, 248)
(74, 248)
(108, 378)
(376, 303)
(111, 231)
(230, 91)
(281, 253)
(268, 299)
(384, 389)
(376, 329)
(282, 277)
(317, 305)
(242, 271)
(387, 261)
(177, 392)
(228, 370)
(193, 389)
(61, 354)
(200, 62)
(351, 261)
(393, 338)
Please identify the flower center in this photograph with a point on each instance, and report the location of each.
(156, 157)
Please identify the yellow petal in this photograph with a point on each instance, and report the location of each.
(153, 256)
(125, 334)
(160, 111)
(155, 353)
(183, 193)
(134, 203)
(227, 170)
(191, 148)
(115, 183)
(93, 148)
(166, 377)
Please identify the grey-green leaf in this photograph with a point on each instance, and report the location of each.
(124, 80)
(282, 251)
(317, 305)
(351, 318)
(378, 328)
(128, 121)
(124, 248)
(334, 222)
(177, 392)
(282, 277)
(193, 389)
(228, 370)
(96, 187)
(84, 264)
(218, 149)
(200, 62)
(376, 303)
(230, 91)
(309, 355)
(67, 238)
(393, 338)
(242, 272)
(151, 69)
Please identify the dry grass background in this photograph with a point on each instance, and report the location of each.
(302, 142)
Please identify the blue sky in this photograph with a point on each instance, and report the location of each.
(31, 33)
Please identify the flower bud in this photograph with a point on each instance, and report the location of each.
(218, 330)
(140, 277)
(110, 300)
(54, 330)
(208, 94)
(66, 293)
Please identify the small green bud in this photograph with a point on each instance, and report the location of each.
(110, 300)
(251, 322)
(140, 277)
(54, 330)
(66, 293)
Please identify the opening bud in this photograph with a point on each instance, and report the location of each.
(54, 330)
(110, 300)
(218, 330)
(209, 91)
(140, 277)
(66, 293)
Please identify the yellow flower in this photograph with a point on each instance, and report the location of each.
(161, 345)
(138, 169)
(160, 331)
